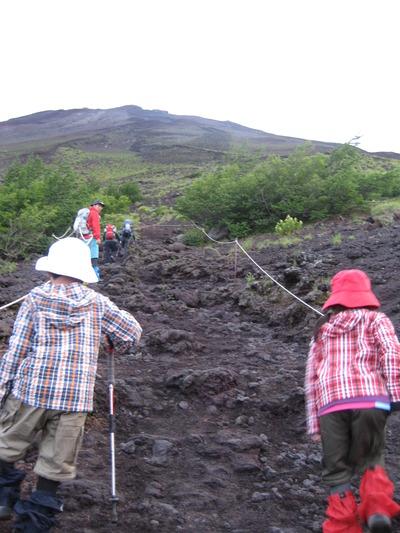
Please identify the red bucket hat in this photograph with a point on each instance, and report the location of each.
(351, 288)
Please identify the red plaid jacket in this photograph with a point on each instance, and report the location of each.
(356, 355)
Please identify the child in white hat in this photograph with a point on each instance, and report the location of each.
(47, 379)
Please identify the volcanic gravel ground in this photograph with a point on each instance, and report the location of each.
(210, 423)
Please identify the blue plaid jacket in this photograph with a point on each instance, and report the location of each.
(52, 357)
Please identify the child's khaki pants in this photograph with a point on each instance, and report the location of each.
(59, 444)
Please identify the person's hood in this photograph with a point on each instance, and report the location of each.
(70, 303)
(345, 321)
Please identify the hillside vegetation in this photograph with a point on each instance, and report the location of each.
(158, 151)
(244, 196)
(152, 165)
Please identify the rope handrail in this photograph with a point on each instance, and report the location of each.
(62, 236)
(277, 282)
(235, 242)
(12, 303)
(19, 299)
(86, 241)
(211, 239)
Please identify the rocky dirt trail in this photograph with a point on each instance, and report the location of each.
(210, 423)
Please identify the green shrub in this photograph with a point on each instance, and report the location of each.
(193, 237)
(288, 226)
(7, 267)
(39, 201)
(287, 241)
(337, 239)
(132, 191)
(237, 230)
(250, 278)
(248, 244)
(144, 209)
(251, 195)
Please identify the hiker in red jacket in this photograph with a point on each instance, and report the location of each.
(93, 224)
(352, 384)
(111, 240)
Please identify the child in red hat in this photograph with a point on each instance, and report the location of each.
(352, 383)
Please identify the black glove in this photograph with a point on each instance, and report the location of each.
(394, 406)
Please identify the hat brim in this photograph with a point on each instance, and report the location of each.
(352, 299)
(83, 273)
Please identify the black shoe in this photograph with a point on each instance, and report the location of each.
(379, 523)
(8, 497)
(5, 512)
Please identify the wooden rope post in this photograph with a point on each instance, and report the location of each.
(235, 268)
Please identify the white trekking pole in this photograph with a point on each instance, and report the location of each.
(114, 499)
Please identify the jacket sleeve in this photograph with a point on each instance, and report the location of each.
(20, 344)
(310, 390)
(122, 327)
(389, 354)
(93, 223)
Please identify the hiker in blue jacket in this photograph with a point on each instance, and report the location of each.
(126, 235)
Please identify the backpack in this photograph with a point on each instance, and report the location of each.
(80, 223)
(127, 230)
(109, 232)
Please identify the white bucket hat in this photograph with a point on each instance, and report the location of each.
(69, 257)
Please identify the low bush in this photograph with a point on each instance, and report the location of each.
(193, 237)
(288, 226)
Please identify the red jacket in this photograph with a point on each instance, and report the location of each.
(93, 223)
(356, 355)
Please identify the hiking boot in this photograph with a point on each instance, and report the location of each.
(5, 512)
(342, 514)
(96, 269)
(379, 523)
(37, 515)
(8, 497)
(377, 507)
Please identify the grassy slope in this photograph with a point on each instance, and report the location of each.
(162, 153)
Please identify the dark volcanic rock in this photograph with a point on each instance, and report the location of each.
(210, 423)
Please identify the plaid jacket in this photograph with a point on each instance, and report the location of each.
(52, 357)
(356, 355)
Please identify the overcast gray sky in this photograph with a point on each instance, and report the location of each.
(316, 69)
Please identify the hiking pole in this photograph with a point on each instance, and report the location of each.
(110, 357)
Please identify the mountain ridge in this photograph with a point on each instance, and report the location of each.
(150, 127)
(152, 137)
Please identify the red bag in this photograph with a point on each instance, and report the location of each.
(109, 233)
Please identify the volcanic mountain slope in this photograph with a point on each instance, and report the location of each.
(154, 136)
(210, 423)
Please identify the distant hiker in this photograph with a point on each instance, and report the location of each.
(111, 240)
(47, 380)
(93, 224)
(352, 384)
(126, 234)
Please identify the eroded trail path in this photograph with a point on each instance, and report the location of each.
(210, 424)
